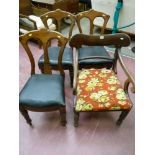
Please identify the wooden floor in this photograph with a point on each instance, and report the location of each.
(97, 133)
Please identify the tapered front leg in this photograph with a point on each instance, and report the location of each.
(25, 114)
(71, 76)
(122, 117)
(76, 119)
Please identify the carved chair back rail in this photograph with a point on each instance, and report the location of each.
(91, 15)
(59, 15)
(44, 36)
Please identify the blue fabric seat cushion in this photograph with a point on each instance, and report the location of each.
(87, 51)
(53, 52)
(43, 90)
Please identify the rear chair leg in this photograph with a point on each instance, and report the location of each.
(122, 117)
(25, 115)
(41, 69)
(63, 116)
(71, 76)
(76, 119)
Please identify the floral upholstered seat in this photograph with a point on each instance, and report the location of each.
(99, 90)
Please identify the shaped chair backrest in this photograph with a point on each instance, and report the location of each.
(118, 40)
(44, 36)
(59, 15)
(91, 15)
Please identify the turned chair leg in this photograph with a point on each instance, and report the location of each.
(122, 117)
(76, 119)
(63, 116)
(71, 76)
(26, 115)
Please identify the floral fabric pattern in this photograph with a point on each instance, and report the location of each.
(98, 90)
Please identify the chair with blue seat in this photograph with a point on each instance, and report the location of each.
(100, 90)
(85, 51)
(43, 92)
(59, 16)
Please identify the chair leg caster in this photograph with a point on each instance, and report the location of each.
(76, 119)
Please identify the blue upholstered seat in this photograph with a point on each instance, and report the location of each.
(53, 57)
(94, 51)
(43, 90)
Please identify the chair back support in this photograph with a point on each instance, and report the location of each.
(118, 40)
(44, 36)
(91, 15)
(59, 15)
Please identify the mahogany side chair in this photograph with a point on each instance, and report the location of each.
(84, 51)
(98, 90)
(43, 92)
(67, 61)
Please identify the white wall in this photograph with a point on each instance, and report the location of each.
(127, 14)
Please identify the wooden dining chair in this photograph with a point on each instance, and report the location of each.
(85, 51)
(97, 90)
(67, 61)
(43, 92)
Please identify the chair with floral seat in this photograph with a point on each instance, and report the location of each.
(100, 89)
(43, 92)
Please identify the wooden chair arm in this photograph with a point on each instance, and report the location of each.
(130, 79)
